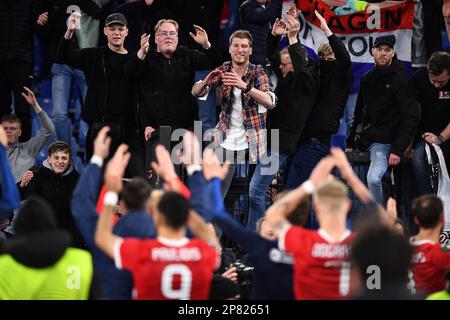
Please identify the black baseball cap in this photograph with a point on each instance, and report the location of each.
(116, 18)
(388, 40)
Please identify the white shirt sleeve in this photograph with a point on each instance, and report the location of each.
(261, 108)
(205, 96)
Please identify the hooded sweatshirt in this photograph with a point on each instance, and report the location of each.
(57, 189)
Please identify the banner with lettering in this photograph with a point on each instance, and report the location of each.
(358, 30)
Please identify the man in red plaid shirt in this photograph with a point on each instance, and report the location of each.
(245, 98)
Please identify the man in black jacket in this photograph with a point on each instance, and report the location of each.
(63, 75)
(335, 83)
(431, 87)
(109, 99)
(18, 20)
(297, 89)
(257, 17)
(165, 77)
(385, 117)
(205, 13)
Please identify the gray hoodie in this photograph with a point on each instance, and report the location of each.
(21, 155)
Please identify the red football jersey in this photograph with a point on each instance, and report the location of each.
(429, 263)
(321, 266)
(165, 269)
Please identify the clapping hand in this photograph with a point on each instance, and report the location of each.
(42, 19)
(231, 78)
(201, 37)
(279, 28)
(213, 77)
(145, 45)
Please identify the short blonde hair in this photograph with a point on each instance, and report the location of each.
(324, 50)
(333, 189)
(160, 22)
(333, 194)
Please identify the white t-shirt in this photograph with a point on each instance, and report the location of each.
(235, 134)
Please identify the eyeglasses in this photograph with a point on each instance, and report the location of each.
(166, 34)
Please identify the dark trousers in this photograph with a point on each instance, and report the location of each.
(14, 75)
(134, 141)
(306, 157)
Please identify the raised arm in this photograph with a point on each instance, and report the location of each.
(84, 196)
(165, 169)
(279, 28)
(136, 66)
(340, 52)
(388, 215)
(305, 71)
(214, 172)
(76, 58)
(358, 187)
(35, 144)
(104, 237)
(277, 214)
(200, 229)
(232, 228)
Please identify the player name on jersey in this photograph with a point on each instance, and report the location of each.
(330, 250)
(176, 254)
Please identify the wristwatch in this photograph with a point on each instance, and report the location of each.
(248, 88)
(441, 138)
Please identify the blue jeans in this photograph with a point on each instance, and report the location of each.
(305, 159)
(379, 162)
(206, 109)
(61, 89)
(420, 167)
(258, 186)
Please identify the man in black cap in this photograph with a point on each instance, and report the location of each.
(431, 87)
(109, 99)
(385, 116)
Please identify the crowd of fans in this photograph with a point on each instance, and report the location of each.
(142, 214)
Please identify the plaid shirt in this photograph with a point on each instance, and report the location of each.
(254, 122)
